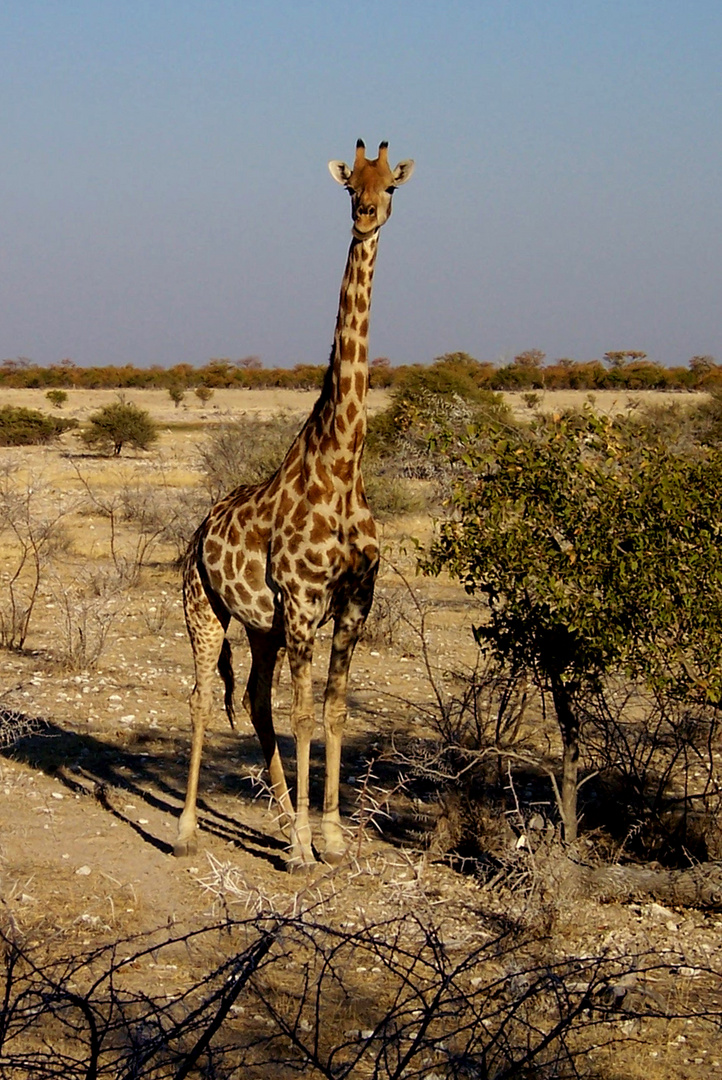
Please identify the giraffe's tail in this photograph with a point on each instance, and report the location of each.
(225, 669)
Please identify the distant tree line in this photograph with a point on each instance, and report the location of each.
(624, 369)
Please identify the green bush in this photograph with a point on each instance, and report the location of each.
(390, 496)
(115, 425)
(708, 416)
(57, 398)
(26, 427)
(425, 401)
(597, 549)
(430, 408)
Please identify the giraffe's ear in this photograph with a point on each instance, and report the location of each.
(403, 172)
(340, 172)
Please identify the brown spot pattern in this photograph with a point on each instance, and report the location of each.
(212, 551)
(255, 575)
(361, 384)
(320, 530)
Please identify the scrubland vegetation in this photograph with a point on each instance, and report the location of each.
(531, 370)
(534, 743)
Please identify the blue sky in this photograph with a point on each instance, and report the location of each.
(165, 196)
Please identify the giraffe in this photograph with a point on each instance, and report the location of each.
(297, 550)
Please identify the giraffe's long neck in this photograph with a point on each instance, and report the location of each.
(343, 411)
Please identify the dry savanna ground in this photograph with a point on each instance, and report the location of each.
(96, 733)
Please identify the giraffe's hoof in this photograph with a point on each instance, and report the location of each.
(183, 848)
(334, 856)
(295, 864)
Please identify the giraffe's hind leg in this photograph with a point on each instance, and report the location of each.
(266, 654)
(206, 630)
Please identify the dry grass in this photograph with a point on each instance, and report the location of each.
(606, 402)
(90, 802)
(261, 403)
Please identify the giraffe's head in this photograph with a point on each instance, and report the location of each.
(371, 186)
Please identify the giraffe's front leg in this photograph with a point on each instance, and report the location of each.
(300, 656)
(347, 631)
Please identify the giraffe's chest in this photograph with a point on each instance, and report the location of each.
(323, 552)
(304, 556)
(317, 565)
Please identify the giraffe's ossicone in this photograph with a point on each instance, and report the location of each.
(287, 555)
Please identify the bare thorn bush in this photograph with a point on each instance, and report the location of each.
(31, 534)
(246, 450)
(88, 608)
(286, 993)
(140, 517)
(15, 725)
(390, 621)
(652, 771)
(155, 616)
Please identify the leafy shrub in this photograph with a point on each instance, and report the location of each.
(57, 398)
(380, 373)
(409, 441)
(389, 496)
(119, 423)
(682, 427)
(27, 427)
(708, 416)
(426, 400)
(598, 551)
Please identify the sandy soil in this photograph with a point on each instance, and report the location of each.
(89, 799)
(261, 403)
(609, 402)
(265, 403)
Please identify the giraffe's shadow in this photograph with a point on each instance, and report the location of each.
(153, 768)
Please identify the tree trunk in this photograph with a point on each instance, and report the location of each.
(569, 727)
(698, 886)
